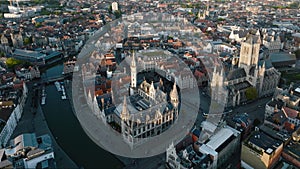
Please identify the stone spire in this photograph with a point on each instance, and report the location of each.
(133, 74)
(124, 113)
(152, 90)
(174, 95)
(133, 63)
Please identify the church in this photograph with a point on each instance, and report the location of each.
(147, 111)
(229, 85)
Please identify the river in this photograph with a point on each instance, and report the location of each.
(68, 132)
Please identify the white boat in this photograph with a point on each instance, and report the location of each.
(43, 100)
(57, 85)
(43, 96)
(64, 97)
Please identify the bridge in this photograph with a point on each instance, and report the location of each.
(49, 80)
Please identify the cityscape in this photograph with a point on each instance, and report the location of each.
(165, 84)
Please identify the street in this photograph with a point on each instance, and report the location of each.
(255, 110)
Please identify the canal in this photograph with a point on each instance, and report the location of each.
(68, 132)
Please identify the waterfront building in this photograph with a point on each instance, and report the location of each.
(28, 74)
(12, 103)
(28, 151)
(37, 57)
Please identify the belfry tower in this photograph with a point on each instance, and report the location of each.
(133, 74)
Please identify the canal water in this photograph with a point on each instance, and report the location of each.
(68, 132)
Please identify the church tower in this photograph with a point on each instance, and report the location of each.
(152, 91)
(125, 113)
(133, 74)
(249, 53)
(174, 96)
(125, 120)
(261, 74)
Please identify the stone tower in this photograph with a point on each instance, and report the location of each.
(133, 74)
(249, 54)
(174, 96)
(125, 113)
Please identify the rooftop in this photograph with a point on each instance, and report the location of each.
(293, 149)
(28, 53)
(219, 138)
(280, 57)
(260, 139)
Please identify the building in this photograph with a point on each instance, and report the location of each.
(146, 112)
(238, 35)
(37, 57)
(30, 56)
(17, 39)
(283, 60)
(114, 6)
(261, 151)
(290, 96)
(11, 103)
(229, 87)
(184, 156)
(291, 153)
(28, 151)
(28, 74)
(272, 42)
(221, 146)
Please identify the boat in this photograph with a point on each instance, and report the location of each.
(63, 97)
(57, 85)
(43, 96)
(43, 100)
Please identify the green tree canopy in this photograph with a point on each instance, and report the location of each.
(118, 14)
(2, 54)
(12, 62)
(256, 122)
(251, 93)
(27, 41)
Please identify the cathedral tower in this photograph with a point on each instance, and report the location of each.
(249, 54)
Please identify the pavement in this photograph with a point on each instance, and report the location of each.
(33, 120)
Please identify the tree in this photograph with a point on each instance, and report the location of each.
(251, 93)
(2, 54)
(27, 41)
(256, 122)
(12, 62)
(118, 14)
(38, 24)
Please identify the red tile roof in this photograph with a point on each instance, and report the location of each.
(291, 113)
